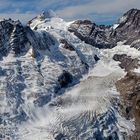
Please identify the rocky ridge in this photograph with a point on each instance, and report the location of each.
(129, 88)
(101, 36)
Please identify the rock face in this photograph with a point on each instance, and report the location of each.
(18, 39)
(92, 34)
(13, 37)
(64, 79)
(129, 87)
(67, 45)
(101, 36)
(128, 28)
(126, 62)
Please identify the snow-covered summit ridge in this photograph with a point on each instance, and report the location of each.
(48, 20)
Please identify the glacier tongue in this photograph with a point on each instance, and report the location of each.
(89, 110)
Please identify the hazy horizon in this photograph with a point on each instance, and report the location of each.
(99, 11)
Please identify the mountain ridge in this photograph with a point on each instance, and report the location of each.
(107, 36)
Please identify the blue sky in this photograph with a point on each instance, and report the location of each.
(99, 11)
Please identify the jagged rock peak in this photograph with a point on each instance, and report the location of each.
(47, 14)
(131, 12)
(132, 17)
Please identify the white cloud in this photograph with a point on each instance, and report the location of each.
(24, 18)
(99, 7)
(99, 10)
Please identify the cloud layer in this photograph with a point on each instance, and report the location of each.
(101, 11)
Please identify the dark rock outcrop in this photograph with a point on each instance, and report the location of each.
(12, 36)
(129, 87)
(96, 58)
(128, 28)
(66, 45)
(64, 79)
(18, 39)
(126, 62)
(60, 136)
(96, 35)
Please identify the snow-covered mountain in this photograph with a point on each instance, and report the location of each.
(57, 83)
(126, 29)
(37, 63)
